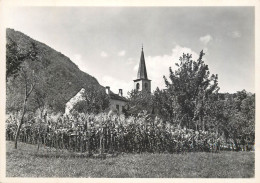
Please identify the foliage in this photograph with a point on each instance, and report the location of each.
(190, 86)
(139, 101)
(95, 101)
(192, 101)
(105, 133)
(15, 56)
(15, 63)
(166, 106)
(239, 118)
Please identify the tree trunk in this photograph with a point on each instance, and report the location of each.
(202, 123)
(235, 142)
(26, 96)
(39, 138)
(17, 134)
(20, 124)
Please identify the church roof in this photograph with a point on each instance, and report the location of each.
(142, 73)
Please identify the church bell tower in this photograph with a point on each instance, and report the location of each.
(142, 83)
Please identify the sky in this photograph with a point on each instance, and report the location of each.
(106, 42)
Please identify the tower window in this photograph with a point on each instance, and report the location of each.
(146, 86)
(137, 86)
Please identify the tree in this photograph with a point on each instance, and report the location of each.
(29, 84)
(191, 85)
(40, 100)
(16, 65)
(95, 100)
(166, 106)
(235, 117)
(248, 111)
(139, 101)
(15, 56)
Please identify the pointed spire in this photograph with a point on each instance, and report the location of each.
(142, 73)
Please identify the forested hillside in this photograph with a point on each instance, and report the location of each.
(56, 77)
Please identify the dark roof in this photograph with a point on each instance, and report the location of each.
(117, 97)
(141, 79)
(142, 73)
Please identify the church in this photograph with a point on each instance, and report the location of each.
(118, 101)
(142, 83)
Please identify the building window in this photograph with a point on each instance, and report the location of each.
(117, 107)
(137, 86)
(146, 86)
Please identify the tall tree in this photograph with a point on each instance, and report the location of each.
(29, 81)
(17, 66)
(191, 84)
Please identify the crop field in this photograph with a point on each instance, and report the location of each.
(26, 161)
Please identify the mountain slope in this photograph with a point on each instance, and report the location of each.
(58, 78)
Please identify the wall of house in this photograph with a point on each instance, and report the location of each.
(78, 97)
(114, 102)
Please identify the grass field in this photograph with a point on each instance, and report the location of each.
(27, 162)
